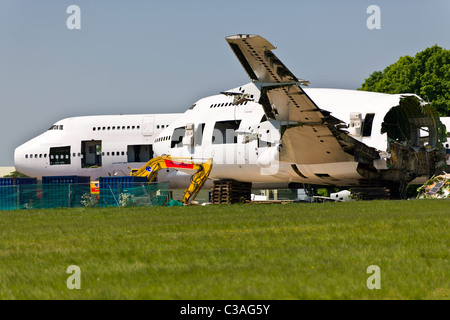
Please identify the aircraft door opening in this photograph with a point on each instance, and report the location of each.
(139, 153)
(91, 152)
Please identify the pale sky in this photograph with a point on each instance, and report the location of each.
(132, 57)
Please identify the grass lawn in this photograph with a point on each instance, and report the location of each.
(293, 251)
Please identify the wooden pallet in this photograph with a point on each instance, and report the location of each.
(230, 191)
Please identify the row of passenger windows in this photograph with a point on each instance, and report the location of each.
(56, 156)
(162, 126)
(56, 127)
(115, 128)
(166, 138)
(217, 105)
(91, 154)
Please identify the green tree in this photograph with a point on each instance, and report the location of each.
(427, 74)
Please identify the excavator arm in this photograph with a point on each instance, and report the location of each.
(151, 168)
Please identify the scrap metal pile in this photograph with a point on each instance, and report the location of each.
(438, 187)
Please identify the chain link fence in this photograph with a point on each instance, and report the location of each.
(70, 195)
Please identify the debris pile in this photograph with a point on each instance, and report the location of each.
(438, 187)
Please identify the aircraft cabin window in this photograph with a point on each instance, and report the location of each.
(224, 132)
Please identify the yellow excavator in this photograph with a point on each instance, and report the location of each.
(151, 168)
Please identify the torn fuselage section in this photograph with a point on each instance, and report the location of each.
(413, 123)
(414, 140)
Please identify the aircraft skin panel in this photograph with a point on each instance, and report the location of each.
(291, 103)
(337, 173)
(311, 145)
(250, 51)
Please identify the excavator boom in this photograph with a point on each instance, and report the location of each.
(151, 168)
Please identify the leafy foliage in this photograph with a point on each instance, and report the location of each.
(15, 174)
(427, 74)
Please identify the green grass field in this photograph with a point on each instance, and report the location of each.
(294, 251)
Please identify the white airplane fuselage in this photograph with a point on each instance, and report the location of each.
(92, 146)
